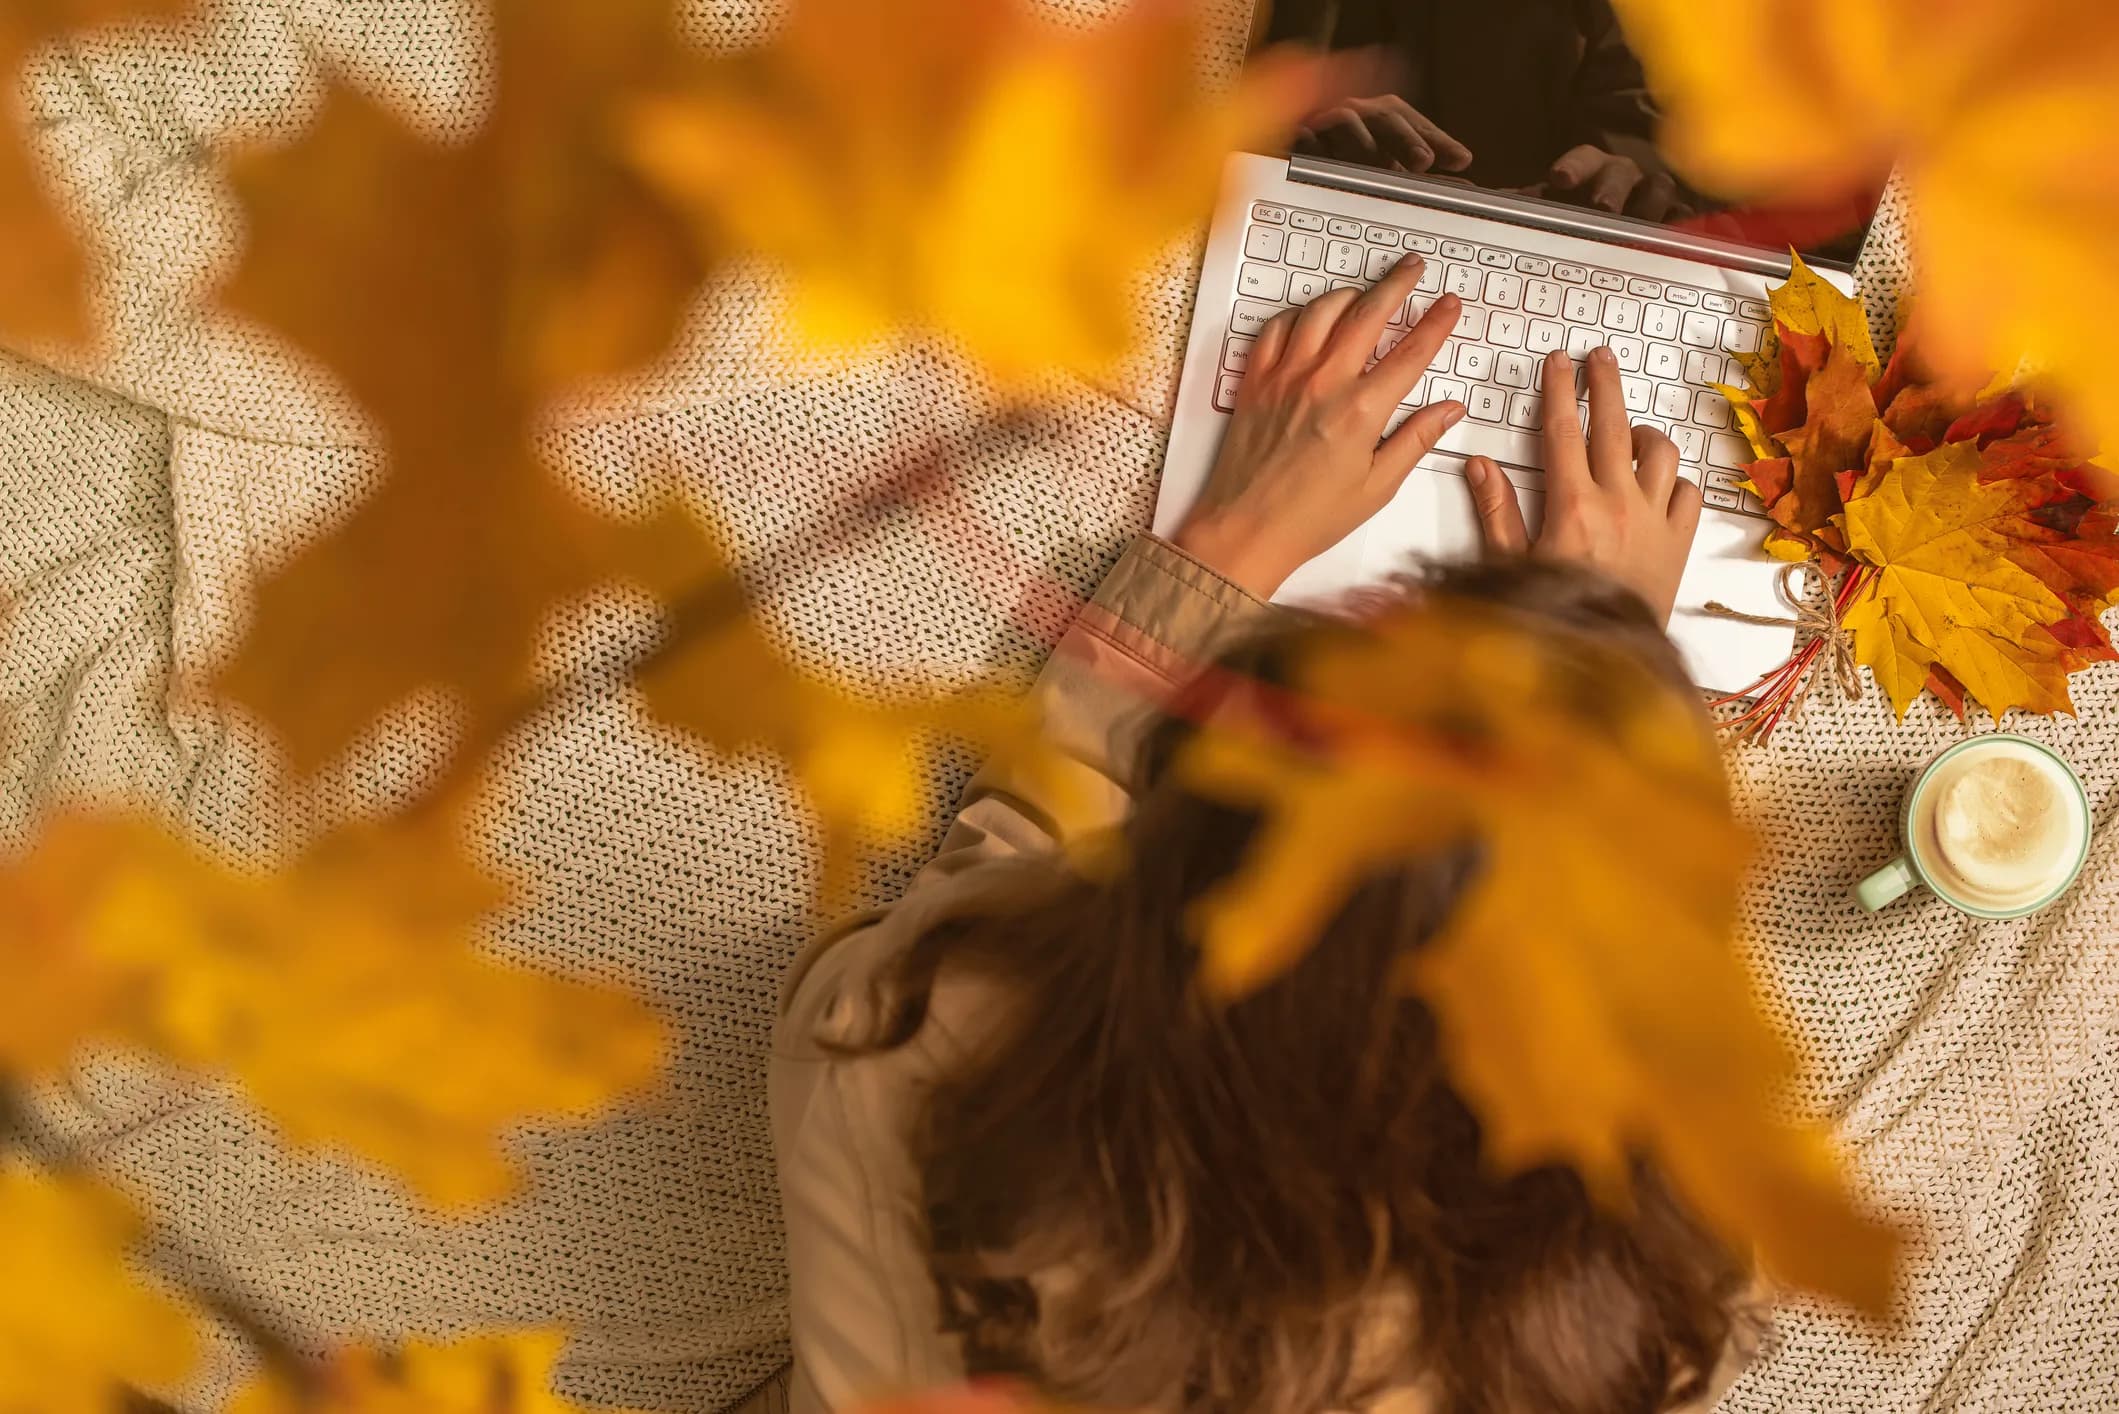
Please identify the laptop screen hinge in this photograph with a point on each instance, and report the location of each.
(1539, 214)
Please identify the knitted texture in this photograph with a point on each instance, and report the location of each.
(1969, 1066)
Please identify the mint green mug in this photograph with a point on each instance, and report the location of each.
(1962, 814)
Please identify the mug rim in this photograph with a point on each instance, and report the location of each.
(1920, 786)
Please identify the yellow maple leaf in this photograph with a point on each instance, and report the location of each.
(1589, 999)
(508, 1373)
(1999, 118)
(450, 288)
(962, 165)
(40, 261)
(345, 992)
(1951, 583)
(77, 1327)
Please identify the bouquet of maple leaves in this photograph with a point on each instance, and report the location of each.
(1968, 543)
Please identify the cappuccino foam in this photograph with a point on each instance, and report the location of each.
(2000, 825)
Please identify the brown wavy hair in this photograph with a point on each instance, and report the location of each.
(1138, 1199)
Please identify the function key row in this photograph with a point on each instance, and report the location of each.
(1387, 238)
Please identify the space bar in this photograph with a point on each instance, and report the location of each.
(1522, 453)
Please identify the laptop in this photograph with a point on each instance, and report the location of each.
(1673, 290)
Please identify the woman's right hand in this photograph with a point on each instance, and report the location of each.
(1614, 501)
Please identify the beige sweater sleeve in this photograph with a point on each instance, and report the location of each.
(862, 1306)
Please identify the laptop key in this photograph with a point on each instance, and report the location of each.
(1380, 235)
(1637, 392)
(1622, 314)
(1702, 368)
(1723, 450)
(1249, 316)
(1660, 321)
(1305, 220)
(1673, 401)
(1514, 370)
(1545, 336)
(1580, 341)
(1702, 331)
(1606, 280)
(1262, 281)
(1678, 294)
(1340, 226)
(1305, 252)
(1236, 353)
(1505, 330)
(1463, 281)
(1458, 250)
(1344, 259)
(1495, 259)
(1304, 288)
(1380, 263)
(1488, 404)
(1627, 350)
(1752, 309)
(1692, 443)
(1740, 337)
(1476, 362)
(1720, 304)
(1664, 361)
(1711, 409)
(1225, 391)
(1471, 323)
(1533, 265)
(1503, 290)
(1542, 298)
(1264, 211)
(1583, 307)
(1571, 274)
(1264, 243)
(1447, 390)
(1423, 245)
(1526, 410)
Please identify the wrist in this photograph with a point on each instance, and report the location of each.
(1237, 553)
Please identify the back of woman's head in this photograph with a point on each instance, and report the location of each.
(1139, 1197)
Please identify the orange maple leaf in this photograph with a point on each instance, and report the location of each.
(1588, 996)
(41, 268)
(450, 288)
(963, 165)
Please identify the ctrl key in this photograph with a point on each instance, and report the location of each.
(1225, 391)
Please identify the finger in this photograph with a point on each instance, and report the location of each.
(1314, 323)
(1685, 509)
(1363, 322)
(1403, 140)
(1450, 154)
(1610, 438)
(1403, 449)
(1655, 199)
(1566, 457)
(1575, 166)
(1273, 340)
(1345, 136)
(1501, 527)
(1394, 377)
(1612, 184)
(1656, 462)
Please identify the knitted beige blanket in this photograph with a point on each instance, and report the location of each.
(1970, 1067)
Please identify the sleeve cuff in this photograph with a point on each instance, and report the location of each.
(1168, 609)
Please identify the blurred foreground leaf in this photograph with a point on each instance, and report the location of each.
(76, 1326)
(2000, 118)
(1590, 1002)
(345, 992)
(479, 1374)
(963, 165)
(451, 288)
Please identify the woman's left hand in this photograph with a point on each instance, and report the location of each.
(1301, 467)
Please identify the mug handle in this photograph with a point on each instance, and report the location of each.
(1886, 884)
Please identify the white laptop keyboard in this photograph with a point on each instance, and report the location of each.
(1670, 341)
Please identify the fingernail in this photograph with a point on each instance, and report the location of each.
(1475, 472)
(1603, 355)
(1455, 414)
